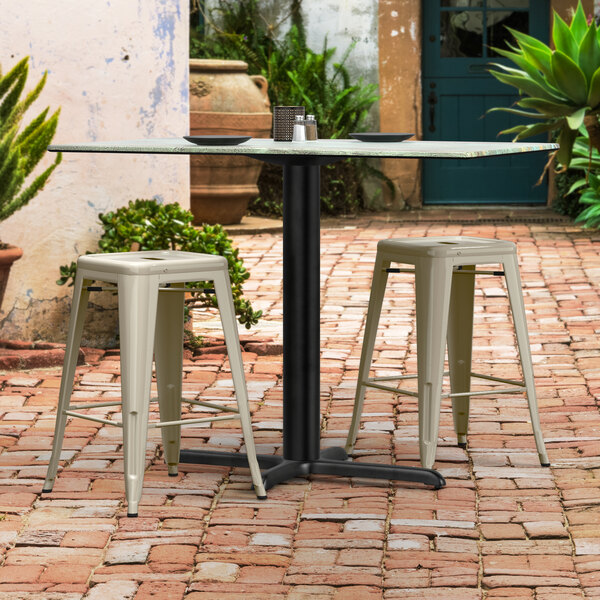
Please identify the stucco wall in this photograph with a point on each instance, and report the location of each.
(344, 23)
(118, 69)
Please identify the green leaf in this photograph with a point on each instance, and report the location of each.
(575, 120)
(579, 25)
(516, 111)
(522, 62)
(526, 85)
(523, 38)
(516, 129)
(569, 77)
(541, 58)
(563, 38)
(545, 107)
(535, 129)
(589, 53)
(593, 99)
(565, 140)
(579, 183)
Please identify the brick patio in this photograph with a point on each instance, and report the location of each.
(503, 527)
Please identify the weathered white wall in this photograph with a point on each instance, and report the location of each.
(119, 70)
(341, 22)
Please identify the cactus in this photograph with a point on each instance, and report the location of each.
(22, 148)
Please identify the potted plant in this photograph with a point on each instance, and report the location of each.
(21, 149)
(560, 87)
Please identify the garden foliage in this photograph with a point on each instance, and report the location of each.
(148, 225)
(297, 76)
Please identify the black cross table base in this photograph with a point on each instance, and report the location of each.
(301, 346)
(332, 461)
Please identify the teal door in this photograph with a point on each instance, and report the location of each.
(457, 92)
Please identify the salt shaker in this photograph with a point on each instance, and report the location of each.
(311, 127)
(299, 134)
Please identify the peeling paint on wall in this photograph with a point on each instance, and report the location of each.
(119, 72)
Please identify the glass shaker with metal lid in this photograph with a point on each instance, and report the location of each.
(310, 125)
(299, 134)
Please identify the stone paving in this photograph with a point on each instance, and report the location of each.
(503, 527)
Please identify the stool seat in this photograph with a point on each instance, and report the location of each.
(151, 290)
(446, 246)
(151, 262)
(444, 269)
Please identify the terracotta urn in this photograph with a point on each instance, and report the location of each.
(8, 256)
(224, 99)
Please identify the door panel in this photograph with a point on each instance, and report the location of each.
(458, 91)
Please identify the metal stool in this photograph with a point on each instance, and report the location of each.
(444, 269)
(151, 318)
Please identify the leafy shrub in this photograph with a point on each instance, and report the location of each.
(147, 225)
(566, 202)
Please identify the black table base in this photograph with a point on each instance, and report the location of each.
(332, 461)
(302, 347)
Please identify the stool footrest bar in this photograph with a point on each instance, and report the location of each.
(457, 270)
(485, 392)
(388, 388)
(192, 421)
(393, 377)
(499, 379)
(211, 405)
(152, 425)
(101, 288)
(96, 419)
(94, 405)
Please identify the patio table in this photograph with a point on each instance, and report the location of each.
(301, 163)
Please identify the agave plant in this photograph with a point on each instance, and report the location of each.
(561, 86)
(22, 149)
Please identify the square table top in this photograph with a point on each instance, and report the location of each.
(335, 147)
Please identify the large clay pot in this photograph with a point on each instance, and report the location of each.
(8, 256)
(224, 99)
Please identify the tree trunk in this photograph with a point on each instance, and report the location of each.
(593, 128)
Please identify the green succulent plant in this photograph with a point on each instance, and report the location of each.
(560, 86)
(21, 149)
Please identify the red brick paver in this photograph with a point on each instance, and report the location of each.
(502, 529)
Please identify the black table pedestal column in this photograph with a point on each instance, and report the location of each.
(301, 349)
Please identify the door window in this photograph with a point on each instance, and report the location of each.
(470, 29)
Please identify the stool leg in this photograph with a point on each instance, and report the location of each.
(515, 295)
(378, 284)
(460, 344)
(433, 278)
(78, 309)
(168, 356)
(138, 297)
(227, 313)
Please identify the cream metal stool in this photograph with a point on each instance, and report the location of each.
(444, 269)
(151, 318)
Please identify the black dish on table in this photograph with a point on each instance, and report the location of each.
(217, 140)
(381, 137)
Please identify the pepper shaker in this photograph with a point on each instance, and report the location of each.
(311, 127)
(299, 134)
